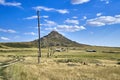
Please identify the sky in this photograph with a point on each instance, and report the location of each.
(93, 22)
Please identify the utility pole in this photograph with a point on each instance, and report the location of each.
(39, 42)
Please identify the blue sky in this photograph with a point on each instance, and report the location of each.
(94, 22)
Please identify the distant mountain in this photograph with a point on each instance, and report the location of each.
(52, 39)
(56, 39)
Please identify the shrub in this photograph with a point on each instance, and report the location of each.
(118, 63)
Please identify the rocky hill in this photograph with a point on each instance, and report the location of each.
(52, 39)
(56, 39)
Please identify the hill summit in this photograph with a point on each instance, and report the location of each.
(56, 39)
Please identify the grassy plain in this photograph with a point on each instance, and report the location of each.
(76, 64)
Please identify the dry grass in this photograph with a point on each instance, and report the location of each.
(62, 66)
(50, 70)
(4, 59)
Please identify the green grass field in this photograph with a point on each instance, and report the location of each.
(76, 64)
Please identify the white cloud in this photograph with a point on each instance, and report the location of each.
(31, 17)
(79, 1)
(49, 23)
(106, 1)
(4, 38)
(7, 30)
(84, 17)
(11, 31)
(62, 11)
(45, 16)
(71, 21)
(98, 14)
(117, 16)
(51, 28)
(104, 20)
(43, 8)
(35, 17)
(30, 33)
(95, 23)
(75, 17)
(3, 2)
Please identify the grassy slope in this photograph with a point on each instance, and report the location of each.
(17, 45)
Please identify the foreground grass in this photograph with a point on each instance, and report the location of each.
(72, 65)
(50, 70)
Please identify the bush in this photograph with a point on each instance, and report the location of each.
(118, 63)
